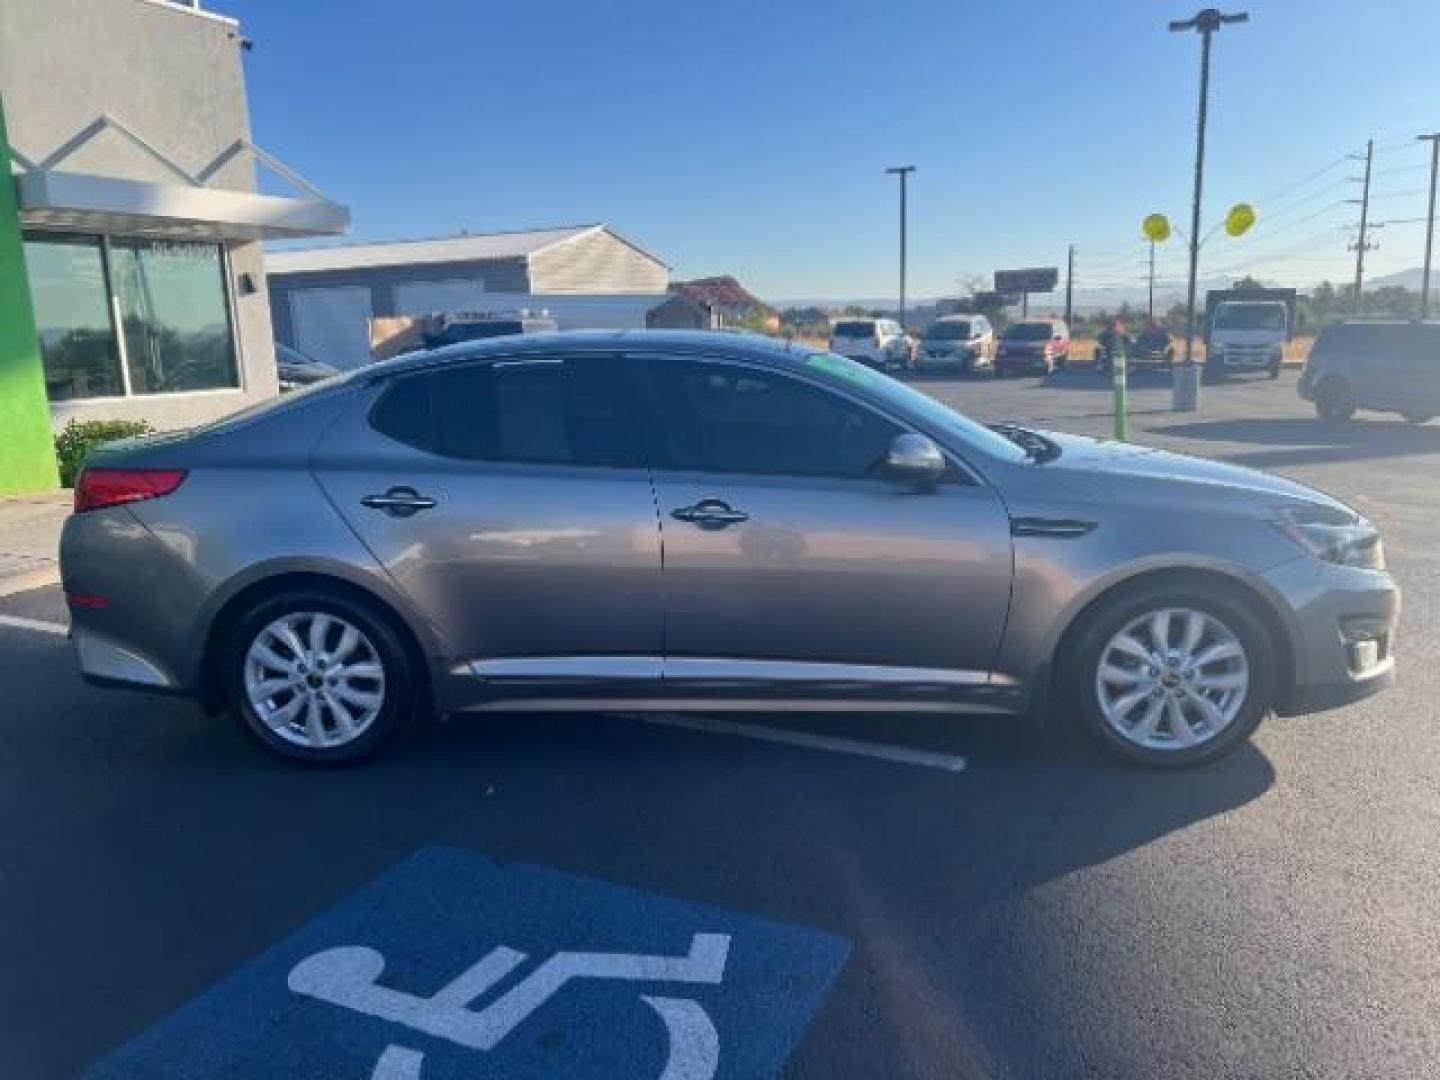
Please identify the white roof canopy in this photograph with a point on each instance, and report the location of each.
(191, 207)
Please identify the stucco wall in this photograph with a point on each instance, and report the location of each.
(169, 74)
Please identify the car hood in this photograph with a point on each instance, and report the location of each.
(1097, 466)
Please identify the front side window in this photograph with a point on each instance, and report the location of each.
(174, 315)
(535, 412)
(734, 419)
(72, 312)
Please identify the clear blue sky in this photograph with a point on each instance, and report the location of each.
(751, 138)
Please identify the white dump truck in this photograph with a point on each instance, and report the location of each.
(1246, 330)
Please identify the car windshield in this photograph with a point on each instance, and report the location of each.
(888, 392)
(1250, 317)
(948, 331)
(1029, 331)
(855, 328)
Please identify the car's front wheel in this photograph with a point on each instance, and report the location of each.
(1172, 680)
(319, 677)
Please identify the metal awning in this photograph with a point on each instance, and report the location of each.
(111, 205)
(191, 208)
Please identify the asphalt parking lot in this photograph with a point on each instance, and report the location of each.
(988, 901)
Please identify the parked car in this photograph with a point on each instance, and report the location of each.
(876, 343)
(1041, 345)
(481, 528)
(451, 328)
(295, 369)
(1153, 347)
(1385, 366)
(963, 342)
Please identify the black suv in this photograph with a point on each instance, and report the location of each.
(1386, 366)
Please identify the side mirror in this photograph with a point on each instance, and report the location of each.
(914, 459)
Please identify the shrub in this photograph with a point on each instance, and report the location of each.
(74, 444)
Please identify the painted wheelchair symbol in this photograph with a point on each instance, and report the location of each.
(348, 976)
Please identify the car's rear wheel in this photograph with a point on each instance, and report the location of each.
(320, 677)
(1172, 679)
(1334, 400)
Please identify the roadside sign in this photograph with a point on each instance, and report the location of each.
(451, 965)
(1035, 279)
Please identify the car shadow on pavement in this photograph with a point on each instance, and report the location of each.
(1305, 441)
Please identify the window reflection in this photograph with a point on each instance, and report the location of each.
(72, 313)
(174, 315)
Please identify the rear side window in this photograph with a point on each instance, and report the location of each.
(734, 419)
(547, 412)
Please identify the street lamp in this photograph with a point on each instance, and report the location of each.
(902, 171)
(1187, 376)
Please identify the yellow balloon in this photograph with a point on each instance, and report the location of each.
(1240, 219)
(1156, 227)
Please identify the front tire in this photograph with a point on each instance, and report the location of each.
(320, 677)
(1171, 679)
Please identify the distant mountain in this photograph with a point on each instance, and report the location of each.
(1407, 279)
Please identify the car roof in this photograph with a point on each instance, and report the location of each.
(597, 342)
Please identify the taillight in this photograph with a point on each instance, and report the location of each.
(99, 488)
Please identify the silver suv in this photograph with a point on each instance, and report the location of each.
(1386, 366)
(697, 521)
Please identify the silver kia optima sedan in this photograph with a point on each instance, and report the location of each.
(705, 522)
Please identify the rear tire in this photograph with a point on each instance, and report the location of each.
(1220, 701)
(352, 682)
(1334, 400)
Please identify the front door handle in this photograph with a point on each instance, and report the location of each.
(399, 502)
(710, 514)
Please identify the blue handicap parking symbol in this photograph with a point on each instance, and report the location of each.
(451, 965)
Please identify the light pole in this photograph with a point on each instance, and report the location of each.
(1187, 376)
(1434, 141)
(902, 171)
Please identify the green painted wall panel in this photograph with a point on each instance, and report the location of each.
(27, 450)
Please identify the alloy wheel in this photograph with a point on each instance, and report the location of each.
(1172, 679)
(314, 679)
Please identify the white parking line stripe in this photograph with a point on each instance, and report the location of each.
(34, 624)
(899, 755)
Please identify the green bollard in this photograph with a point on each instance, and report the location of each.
(1119, 362)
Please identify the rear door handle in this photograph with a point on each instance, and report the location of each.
(710, 514)
(399, 502)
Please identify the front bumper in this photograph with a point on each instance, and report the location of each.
(1343, 622)
(1243, 358)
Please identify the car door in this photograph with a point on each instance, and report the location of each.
(511, 502)
(788, 556)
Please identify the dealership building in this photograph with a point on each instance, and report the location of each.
(132, 280)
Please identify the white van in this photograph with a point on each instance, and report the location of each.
(878, 343)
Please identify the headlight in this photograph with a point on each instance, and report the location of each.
(1334, 536)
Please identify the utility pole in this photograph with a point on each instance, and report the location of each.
(1069, 282)
(1361, 246)
(1186, 395)
(1434, 141)
(902, 171)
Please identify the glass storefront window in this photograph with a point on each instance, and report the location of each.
(72, 311)
(174, 315)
